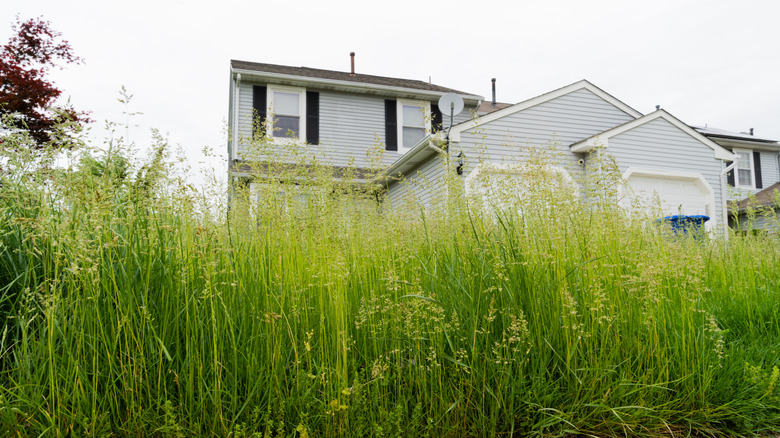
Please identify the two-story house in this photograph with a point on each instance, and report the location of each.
(341, 118)
(344, 118)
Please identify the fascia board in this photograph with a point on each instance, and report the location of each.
(353, 86)
(747, 144)
(495, 115)
(589, 144)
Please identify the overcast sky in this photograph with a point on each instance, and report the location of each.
(706, 62)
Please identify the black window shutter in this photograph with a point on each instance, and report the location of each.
(259, 103)
(730, 175)
(757, 165)
(436, 118)
(312, 117)
(391, 125)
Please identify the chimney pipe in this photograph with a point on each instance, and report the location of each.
(494, 91)
(657, 107)
(751, 131)
(352, 59)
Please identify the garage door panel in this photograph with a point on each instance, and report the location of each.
(676, 195)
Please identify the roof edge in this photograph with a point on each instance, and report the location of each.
(348, 85)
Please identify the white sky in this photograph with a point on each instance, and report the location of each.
(713, 62)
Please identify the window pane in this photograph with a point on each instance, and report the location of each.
(745, 177)
(286, 104)
(283, 125)
(413, 116)
(412, 136)
(743, 160)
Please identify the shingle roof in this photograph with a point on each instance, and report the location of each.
(358, 78)
(488, 107)
(722, 133)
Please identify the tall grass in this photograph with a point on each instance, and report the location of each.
(131, 311)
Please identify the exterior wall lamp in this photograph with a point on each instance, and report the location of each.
(459, 169)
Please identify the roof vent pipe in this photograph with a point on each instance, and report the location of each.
(494, 91)
(657, 107)
(352, 59)
(751, 131)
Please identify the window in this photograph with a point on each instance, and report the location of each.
(743, 171)
(287, 106)
(414, 122)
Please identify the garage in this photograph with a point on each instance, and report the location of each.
(673, 192)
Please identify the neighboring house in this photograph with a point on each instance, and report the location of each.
(346, 116)
(753, 182)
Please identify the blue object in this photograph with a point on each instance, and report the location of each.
(684, 224)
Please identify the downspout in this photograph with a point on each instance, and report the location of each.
(724, 202)
(233, 142)
(235, 116)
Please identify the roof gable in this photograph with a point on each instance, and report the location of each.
(583, 84)
(602, 139)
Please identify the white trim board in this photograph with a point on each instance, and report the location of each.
(602, 139)
(495, 115)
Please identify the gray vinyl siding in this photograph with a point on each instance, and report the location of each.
(423, 186)
(766, 220)
(244, 118)
(662, 146)
(552, 125)
(352, 128)
(467, 114)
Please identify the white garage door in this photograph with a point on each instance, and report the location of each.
(676, 195)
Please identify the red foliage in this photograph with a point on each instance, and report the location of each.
(24, 89)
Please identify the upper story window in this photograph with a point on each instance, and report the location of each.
(744, 170)
(287, 105)
(414, 122)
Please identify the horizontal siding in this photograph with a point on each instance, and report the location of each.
(660, 145)
(352, 128)
(552, 125)
(244, 118)
(767, 220)
(423, 186)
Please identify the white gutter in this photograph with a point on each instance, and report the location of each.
(724, 201)
(411, 153)
(350, 85)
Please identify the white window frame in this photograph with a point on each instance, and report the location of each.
(269, 122)
(425, 105)
(752, 169)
